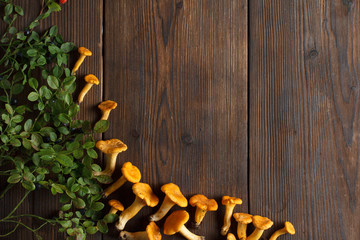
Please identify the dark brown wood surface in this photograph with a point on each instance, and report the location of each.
(255, 99)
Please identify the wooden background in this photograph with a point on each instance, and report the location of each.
(256, 99)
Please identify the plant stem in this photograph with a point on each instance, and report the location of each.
(16, 207)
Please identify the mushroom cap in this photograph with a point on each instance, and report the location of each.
(203, 203)
(262, 223)
(131, 172)
(111, 146)
(243, 218)
(91, 78)
(107, 105)
(116, 204)
(230, 200)
(144, 192)
(175, 221)
(84, 51)
(289, 228)
(153, 231)
(173, 192)
(230, 236)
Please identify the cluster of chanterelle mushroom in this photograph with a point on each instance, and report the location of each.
(175, 222)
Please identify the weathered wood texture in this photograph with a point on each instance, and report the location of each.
(304, 116)
(178, 70)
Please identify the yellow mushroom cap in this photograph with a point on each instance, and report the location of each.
(230, 236)
(111, 146)
(131, 172)
(84, 51)
(289, 228)
(230, 200)
(144, 192)
(153, 231)
(91, 78)
(243, 218)
(203, 203)
(174, 193)
(107, 105)
(175, 221)
(262, 223)
(116, 204)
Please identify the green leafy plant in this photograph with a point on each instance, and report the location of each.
(43, 145)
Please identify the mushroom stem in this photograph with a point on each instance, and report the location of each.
(78, 63)
(125, 235)
(189, 235)
(113, 187)
(105, 115)
(227, 218)
(241, 231)
(110, 163)
(165, 207)
(129, 213)
(113, 210)
(199, 215)
(84, 91)
(256, 234)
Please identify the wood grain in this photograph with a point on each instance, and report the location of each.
(304, 116)
(178, 70)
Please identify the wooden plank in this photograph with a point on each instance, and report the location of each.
(178, 70)
(81, 22)
(304, 116)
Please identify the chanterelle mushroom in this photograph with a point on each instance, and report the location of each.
(152, 233)
(261, 224)
(90, 80)
(84, 52)
(288, 228)
(144, 197)
(243, 219)
(106, 107)
(230, 236)
(202, 204)
(175, 222)
(230, 203)
(173, 196)
(115, 206)
(129, 173)
(111, 148)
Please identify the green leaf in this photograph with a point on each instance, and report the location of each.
(101, 126)
(8, 9)
(28, 125)
(41, 61)
(57, 71)
(97, 206)
(53, 82)
(9, 109)
(63, 130)
(66, 207)
(88, 145)
(15, 142)
(78, 153)
(91, 230)
(54, 7)
(26, 143)
(19, 10)
(63, 118)
(34, 24)
(88, 223)
(67, 47)
(12, 30)
(17, 89)
(75, 188)
(32, 52)
(54, 50)
(92, 153)
(64, 160)
(104, 179)
(79, 203)
(29, 176)
(14, 178)
(111, 218)
(28, 185)
(33, 96)
(102, 226)
(53, 31)
(17, 118)
(65, 224)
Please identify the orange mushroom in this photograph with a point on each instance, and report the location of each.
(230, 236)
(144, 197)
(230, 203)
(115, 206)
(106, 107)
(90, 80)
(111, 148)
(129, 173)
(243, 219)
(84, 52)
(173, 196)
(202, 204)
(261, 224)
(175, 222)
(288, 228)
(152, 233)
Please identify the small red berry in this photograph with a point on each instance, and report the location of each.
(62, 1)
